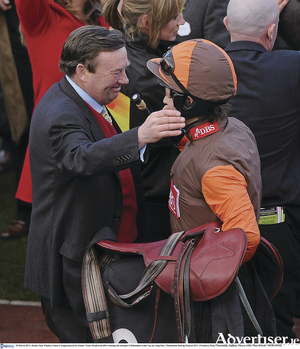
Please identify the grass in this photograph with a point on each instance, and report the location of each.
(12, 252)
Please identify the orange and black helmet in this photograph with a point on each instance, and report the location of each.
(197, 68)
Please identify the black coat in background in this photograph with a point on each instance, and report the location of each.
(267, 101)
(205, 18)
(156, 172)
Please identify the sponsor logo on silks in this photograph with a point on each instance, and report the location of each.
(174, 200)
(204, 130)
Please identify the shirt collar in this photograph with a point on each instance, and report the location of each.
(245, 46)
(86, 97)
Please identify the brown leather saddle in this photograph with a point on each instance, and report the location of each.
(209, 256)
(200, 264)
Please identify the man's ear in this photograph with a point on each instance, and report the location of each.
(271, 31)
(225, 21)
(81, 72)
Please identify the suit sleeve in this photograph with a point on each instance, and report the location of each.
(80, 152)
(225, 191)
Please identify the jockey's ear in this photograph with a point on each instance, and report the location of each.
(189, 101)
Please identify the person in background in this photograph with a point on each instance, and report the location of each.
(204, 19)
(289, 24)
(17, 91)
(267, 101)
(150, 27)
(45, 30)
(85, 176)
(216, 178)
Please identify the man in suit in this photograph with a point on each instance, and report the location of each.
(268, 102)
(81, 176)
(204, 19)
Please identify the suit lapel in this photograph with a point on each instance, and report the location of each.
(95, 128)
(69, 90)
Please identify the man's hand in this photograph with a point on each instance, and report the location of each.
(5, 5)
(281, 4)
(160, 124)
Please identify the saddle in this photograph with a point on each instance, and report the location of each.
(200, 263)
(211, 256)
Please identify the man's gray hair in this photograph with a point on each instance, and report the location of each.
(251, 17)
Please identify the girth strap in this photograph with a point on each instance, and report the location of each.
(151, 272)
(187, 293)
(182, 290)
(247, 306)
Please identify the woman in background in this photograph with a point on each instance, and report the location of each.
(45, 25)
(150, 27)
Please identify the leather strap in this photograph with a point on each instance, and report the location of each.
(177, 293)
(247, 306)
(157, 298)
(182, 291)
(187, 293)
(151, 272)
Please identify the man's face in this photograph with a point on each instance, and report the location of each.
(105, 83)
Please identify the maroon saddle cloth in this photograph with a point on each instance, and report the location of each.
(205, 257)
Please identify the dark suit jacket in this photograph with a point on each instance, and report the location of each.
(268, 102)
(206, 22)
(76, 191)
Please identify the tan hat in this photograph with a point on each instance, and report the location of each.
(201, 67)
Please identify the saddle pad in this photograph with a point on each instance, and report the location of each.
(136, 324)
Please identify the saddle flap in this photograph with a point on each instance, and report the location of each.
(149, 250)
(214, 264)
